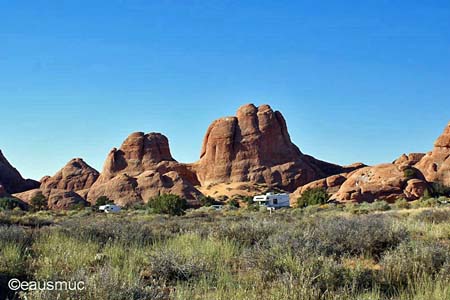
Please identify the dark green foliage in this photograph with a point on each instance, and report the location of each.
(206, 200)
(168, 204)
(439, 189)
(248, 200)
(312, 197)
(233, 203)
(9, 203)
(409, 173)
(102, 200)
(39, 202)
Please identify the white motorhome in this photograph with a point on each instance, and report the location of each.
(272, 201)
(109, 208)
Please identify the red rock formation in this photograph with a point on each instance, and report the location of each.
(11, 180)
(382, 182)
(331, 184)
(255, 147)
(76, 175)
(409, 160)
(435, 165)
(63, 199)
(143, 167)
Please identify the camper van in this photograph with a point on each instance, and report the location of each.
(109, 208)
(272, 201)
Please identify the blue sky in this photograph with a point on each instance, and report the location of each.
(356, 80)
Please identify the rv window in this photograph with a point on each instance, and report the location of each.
(275, 201)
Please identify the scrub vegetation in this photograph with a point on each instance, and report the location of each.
(325, 251)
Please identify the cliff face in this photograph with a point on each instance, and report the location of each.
(255, 146)
(11, 180)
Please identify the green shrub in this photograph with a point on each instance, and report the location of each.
(415, 259)
(10, 203)
(376, 206)
(402, 204)
(409, 173)
(206, 200)
(39, 202)
(233, 203)
(102, 200)
(359, 235)
(167, 204)
(438, 189)
(312, 197)
(434, 216)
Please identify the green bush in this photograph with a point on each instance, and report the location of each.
(10, 203)
(439, 189)
(206, 200)
(402, 204)
(167, 204)
(39, 202)
(312, 197)
(102, 200)
(410, 173)
(233, 203)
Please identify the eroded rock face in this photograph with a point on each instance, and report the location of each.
(435, 165)
(63, 199)
(382, 182)
(409, 159)
(331, 183)
(74, 176)
(143, 167)
(28, 195)
(11, 180)
(254, 146)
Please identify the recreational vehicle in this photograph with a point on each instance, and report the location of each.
(272, 201)
(109, 208)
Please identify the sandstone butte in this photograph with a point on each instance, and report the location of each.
(240, 155)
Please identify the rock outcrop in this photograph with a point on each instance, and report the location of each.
(76, 175)
(331, 183)
(143, 167)
(63, 199)
(67, 188)
(11, 180)
(435, 165)
(387, 182)
(254, 146)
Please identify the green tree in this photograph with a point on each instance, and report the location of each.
(168, 204)
(207, 200)
(102, 200)
(39, 202)
(312, 197)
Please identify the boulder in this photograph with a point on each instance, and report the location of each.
(63, 199)
(74, 176)
(11, 179)
(28, 195)
(387, 182)
(254, 146)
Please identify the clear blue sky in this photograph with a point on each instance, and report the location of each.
(356, 80)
